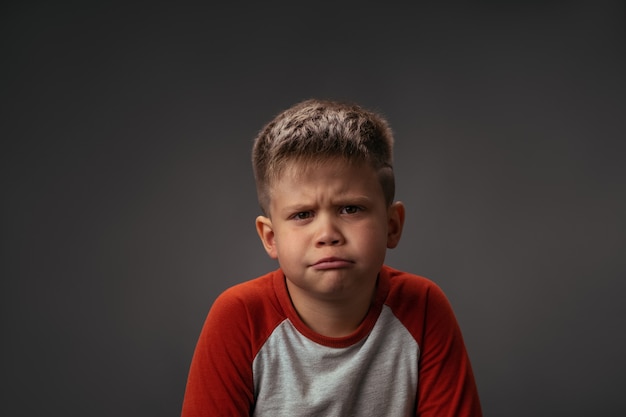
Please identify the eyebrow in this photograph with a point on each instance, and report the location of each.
(348, 200)
(344, 200)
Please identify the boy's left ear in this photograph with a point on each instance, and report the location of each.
(395, 224)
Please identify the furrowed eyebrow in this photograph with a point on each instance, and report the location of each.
(343, 200)
(352, 200)
(296, 208)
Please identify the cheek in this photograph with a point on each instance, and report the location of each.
(374, 229)
(375, 238)
(287, 244)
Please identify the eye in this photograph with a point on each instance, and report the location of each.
(350, 209)
(303, 215)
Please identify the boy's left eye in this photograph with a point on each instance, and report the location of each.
(350, 209)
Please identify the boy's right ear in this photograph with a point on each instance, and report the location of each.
(266, 233)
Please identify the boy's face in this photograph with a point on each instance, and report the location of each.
(329, 228)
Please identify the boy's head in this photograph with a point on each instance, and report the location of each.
(314, 131)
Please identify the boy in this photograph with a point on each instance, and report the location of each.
(333, 331)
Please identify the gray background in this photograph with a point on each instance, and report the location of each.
(128, 201)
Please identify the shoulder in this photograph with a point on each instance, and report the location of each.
(251, 290)
(406, 287)
(249, 308)
(418, 302)
(250, 298)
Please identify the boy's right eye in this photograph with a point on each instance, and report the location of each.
(303, 215)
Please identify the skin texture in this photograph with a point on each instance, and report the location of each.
(329, 228)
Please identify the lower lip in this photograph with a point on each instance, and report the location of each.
(332, 265)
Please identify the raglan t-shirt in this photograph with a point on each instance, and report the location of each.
(255, 357)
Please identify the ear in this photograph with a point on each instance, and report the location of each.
(395, 224)
(266, 233)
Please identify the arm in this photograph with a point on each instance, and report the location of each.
(446, 386)
(220, 377)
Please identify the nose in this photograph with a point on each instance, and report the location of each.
(328, 232)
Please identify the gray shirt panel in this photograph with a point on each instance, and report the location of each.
(294, 376)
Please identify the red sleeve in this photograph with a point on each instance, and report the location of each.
(220, 381)
(446, 385)
(220, 376)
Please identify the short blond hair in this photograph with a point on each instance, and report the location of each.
(317, 130)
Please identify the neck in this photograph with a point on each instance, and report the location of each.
(331, 318)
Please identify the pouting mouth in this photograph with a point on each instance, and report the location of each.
(332, 262)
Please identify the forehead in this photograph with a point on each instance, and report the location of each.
(325, 179)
